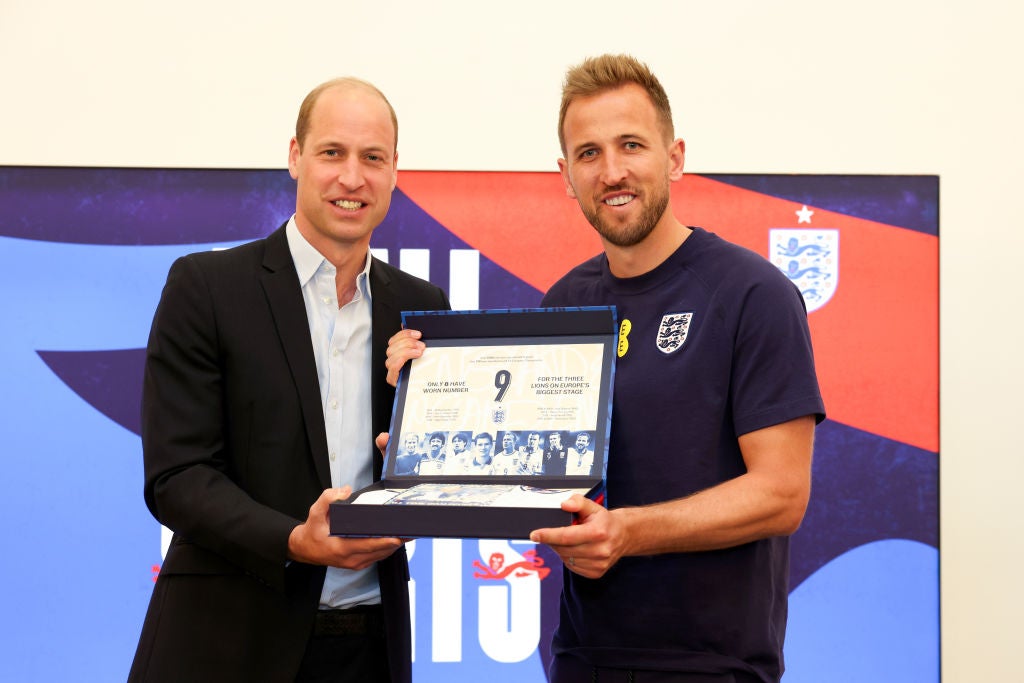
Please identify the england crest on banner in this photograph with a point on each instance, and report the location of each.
(810, 258)
(673, 330)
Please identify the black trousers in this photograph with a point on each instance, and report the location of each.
(574, 670)
(347, 646)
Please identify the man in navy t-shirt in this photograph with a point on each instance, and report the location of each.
(684, 577)
(715, 404)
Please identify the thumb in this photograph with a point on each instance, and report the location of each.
(331, 495)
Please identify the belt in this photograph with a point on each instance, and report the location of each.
(363, 620)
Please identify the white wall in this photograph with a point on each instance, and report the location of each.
(903, 86)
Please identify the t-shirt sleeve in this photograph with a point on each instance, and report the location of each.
(774, 380)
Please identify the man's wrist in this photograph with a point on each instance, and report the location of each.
(632, 524)
(294, 544)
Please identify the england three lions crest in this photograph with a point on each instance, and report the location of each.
(810, 258)
(673, 331)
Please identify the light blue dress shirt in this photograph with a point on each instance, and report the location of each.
(342, 348)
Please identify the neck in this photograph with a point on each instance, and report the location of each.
(651, 252)
(348, 258)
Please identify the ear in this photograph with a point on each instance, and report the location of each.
(563, 168)
(293, 158)
(676, 157)
(394, 171)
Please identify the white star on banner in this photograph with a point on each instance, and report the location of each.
(804, 215)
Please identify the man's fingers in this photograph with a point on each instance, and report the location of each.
(403, 346)
(556, 538)
(580, 504)
(581, 507)
(363, 552)
(404, 334)
(589, 526)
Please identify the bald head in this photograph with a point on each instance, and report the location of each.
(302, 123)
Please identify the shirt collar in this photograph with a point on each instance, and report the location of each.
(308, 260)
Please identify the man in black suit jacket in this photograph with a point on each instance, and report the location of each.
(241, 463)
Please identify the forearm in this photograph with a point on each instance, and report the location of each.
(768, 500)
(738, 511)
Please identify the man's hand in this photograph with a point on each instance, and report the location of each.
(592, 545)
(312, 543)
(403, 346)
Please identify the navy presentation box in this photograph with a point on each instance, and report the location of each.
(505, 415)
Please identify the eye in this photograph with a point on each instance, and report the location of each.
(632, 146)
(588, 154)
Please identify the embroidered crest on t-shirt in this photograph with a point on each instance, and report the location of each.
(673, 331)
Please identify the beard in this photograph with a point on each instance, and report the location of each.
(634, 233)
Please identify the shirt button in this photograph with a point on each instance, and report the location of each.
(334, 404)
(333, 457)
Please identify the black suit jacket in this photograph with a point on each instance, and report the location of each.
(235, 452)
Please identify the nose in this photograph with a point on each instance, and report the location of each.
(350, 175)
(614, 170)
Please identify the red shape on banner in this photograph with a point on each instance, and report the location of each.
(524, 222)
(876, 340)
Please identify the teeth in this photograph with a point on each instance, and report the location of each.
(619, 200)
(348, 204)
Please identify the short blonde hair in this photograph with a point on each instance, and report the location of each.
(608, 72)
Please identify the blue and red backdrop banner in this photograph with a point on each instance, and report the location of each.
(84, 254)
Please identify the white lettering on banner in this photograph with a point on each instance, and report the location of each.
(415, 262)
(509, 615)
(463, 272)
(446, 602)
(464, 279)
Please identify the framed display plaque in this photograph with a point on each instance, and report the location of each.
(505, 415)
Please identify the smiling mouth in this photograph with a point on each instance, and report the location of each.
(620, 200)
(348, 204)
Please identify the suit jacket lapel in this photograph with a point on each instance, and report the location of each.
(387, 319)
(284, 296)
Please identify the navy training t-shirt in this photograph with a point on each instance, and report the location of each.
(713, 344)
